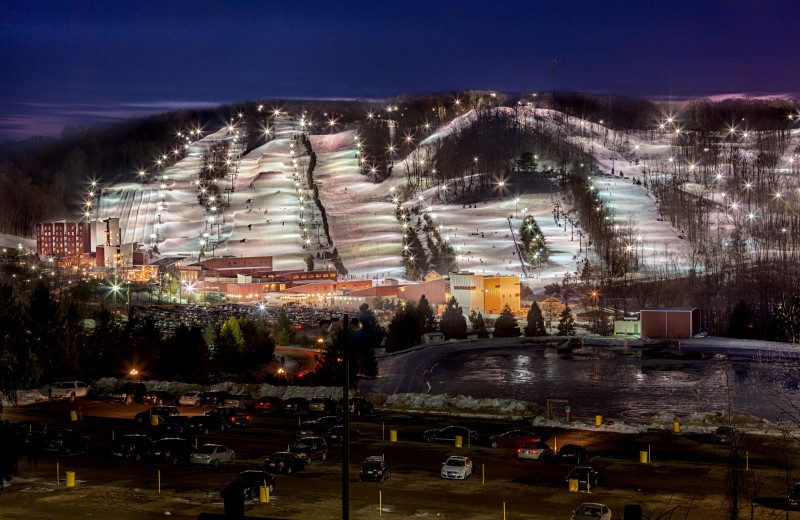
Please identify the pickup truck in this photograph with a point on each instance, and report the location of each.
(69, 390)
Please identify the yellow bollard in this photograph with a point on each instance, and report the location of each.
(459, 441)
(70, 478)
(676, 427)
(112, 435)
(262, 494)
(555, 444)
(483, 475)
(380, 503)
(195, 443)
(159, 482)
(573, 485)
(298, 422)
(504, 511)
(153, 420)
(58, 475)
(649, 458)
(383, 431)
(598, 420)
(643, 458)
(393, 436)
(267, 488)
(73, 415)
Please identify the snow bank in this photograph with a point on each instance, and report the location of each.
(26, 397)
(460, 405)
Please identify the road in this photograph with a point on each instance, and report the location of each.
(687, 472)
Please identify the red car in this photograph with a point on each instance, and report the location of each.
(513, 439)
(268, 405)
(311, 448)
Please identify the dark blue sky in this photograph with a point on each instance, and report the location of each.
(87, 61)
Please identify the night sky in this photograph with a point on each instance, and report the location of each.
(93, 61)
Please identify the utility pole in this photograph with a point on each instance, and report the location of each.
(553, 72)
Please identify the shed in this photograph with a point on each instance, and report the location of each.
(672, 323)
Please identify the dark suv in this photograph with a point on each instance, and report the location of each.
(172, 450)
(134, 446)
(374, 469)
(359, 406)
(129, 393)
(215, 398)
(66, 442)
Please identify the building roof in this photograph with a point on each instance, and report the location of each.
(168, 261)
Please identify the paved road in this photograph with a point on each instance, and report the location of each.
(687, 471)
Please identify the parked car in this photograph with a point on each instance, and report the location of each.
(204, 424)
(330, 421)
(296, 405)
(231, 417)
(69, 390)
(161, 412)
(268, 404)
(240, 401)
(158, 397)
(190, 399)
(212, 455)
(794, 495)
(312, 429)
(336, 434)
(534, 451)
(173, 423)
(322, 405)
(592, 510)
(66, 442)
(172, 450)
(358, 406)
(513, 439)
(285, 462)
(725, 435)
(456, 467)
(133, 446)
(587, 477)
(374, 469)
(215, 398)
(248, 484)
(32, 434)
(572, 454)
(450, 433)
(129, 393)
(311, 448)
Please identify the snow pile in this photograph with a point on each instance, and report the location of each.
(26, 397)
(461, 405)
(107, 384)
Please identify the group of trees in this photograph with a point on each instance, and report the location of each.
(412, 320)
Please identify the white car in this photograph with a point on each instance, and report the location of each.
(592, 510)
(212, 455)
(534, 451)
(69, 390)
(458, 468)
(190, 399)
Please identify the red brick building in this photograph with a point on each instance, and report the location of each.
(63, 238)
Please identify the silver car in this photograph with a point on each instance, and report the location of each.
(458, 468)
(592, 510)
(534, 451)
(190, 399)
(212, 455)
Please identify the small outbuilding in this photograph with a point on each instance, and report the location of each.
(670, 323)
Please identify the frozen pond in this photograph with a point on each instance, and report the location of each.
(616, 387)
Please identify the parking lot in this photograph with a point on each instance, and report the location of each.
(687, 472)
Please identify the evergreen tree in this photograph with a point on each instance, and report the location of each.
(230, 346)
(535, 325)
(453, 324)
(185, 355)
(427, 320)
(566, 322)
(284, 335)
(506, 325)
(478, 325)
(404, 329)
(43, 322)
(258, 345)
(371, 337)
(740, 324)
